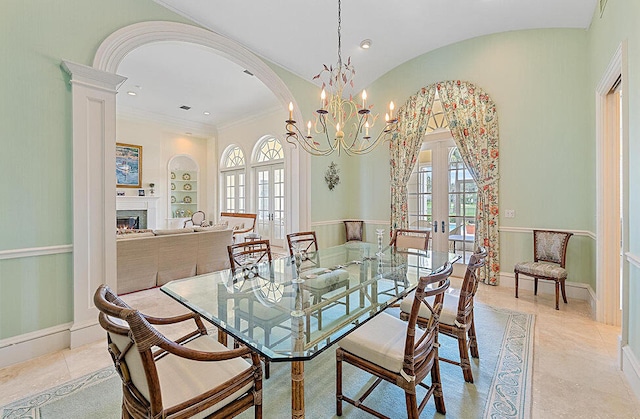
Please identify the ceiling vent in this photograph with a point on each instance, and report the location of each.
(248, 72)
(185, 107)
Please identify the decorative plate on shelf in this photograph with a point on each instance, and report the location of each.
(173, 175)
(186, 176)
(187, 199)
(173, 186)
(173, 199)
(187, 187)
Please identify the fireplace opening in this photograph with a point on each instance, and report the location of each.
(131, 219)
(129, 223)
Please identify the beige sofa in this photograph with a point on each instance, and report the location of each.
(146, 260)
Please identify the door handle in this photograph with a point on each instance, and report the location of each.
(435, 226)
(443, 227)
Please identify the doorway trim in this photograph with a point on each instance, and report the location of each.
(608, 182)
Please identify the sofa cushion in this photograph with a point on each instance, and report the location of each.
(215, 227)
(134, 236)
(172, 231)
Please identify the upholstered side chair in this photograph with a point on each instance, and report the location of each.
(193, 376)
(398, 352)
(353, 230)
(196, 220)
(549, 260)
(457, 319)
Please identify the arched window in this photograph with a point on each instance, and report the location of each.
(234, 179)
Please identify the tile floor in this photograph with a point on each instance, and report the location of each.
(575, 371)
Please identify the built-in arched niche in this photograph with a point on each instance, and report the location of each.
(185, 194)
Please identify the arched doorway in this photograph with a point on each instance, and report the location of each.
(93, 112)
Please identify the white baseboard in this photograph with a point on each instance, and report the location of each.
(26, 347)
(631, 369)
(32, 345)
(575, 290)
(89, 332)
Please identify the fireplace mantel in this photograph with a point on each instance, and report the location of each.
(148, 203)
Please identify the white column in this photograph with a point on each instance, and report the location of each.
(94, 192)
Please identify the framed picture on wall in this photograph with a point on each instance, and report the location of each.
(128, 166)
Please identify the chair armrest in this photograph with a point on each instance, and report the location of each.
(197, 355)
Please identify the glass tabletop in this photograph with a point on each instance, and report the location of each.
(295, 307)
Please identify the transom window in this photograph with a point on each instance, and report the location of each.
(270, 149)
(234, 158)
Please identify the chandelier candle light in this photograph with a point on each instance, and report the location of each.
(340, 114)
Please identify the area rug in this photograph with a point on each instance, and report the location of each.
(501, 388)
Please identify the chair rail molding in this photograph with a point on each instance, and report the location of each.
(35, 251)
(93, 94)
(529, 230)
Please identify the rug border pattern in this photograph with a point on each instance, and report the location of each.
(511, 389)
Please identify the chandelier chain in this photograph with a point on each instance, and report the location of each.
(339, 35)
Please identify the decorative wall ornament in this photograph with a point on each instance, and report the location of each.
(332, 176)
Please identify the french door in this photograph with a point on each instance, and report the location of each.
(443, 197)
(271, 203)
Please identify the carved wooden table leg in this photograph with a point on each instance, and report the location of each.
(297, 390)
(297, 367)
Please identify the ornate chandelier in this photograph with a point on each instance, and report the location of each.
(337, 115)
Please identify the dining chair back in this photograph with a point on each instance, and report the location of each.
(397, 351)
(193, 376)
(318, 280)
(457, 320)
(245, 255)
(353, 230)
(410, 239)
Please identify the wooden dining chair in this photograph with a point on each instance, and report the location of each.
(404, 240)
(244, 259)
(457, 319)
(317, 280)
(397, 351)
(193, 376)
(410, 239)
(549, 260)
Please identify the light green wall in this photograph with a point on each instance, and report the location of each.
(620, 23)
(36, 158)
(537, 79)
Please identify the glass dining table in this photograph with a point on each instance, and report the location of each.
(294, 308)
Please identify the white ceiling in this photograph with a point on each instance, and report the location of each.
(301, 35)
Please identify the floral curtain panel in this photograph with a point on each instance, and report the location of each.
(404, 149)
(473, 122)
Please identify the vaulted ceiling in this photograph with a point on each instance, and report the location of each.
(301, 36)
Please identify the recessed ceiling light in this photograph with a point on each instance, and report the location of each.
(366, 44)
(131, 93)
(206, 113)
